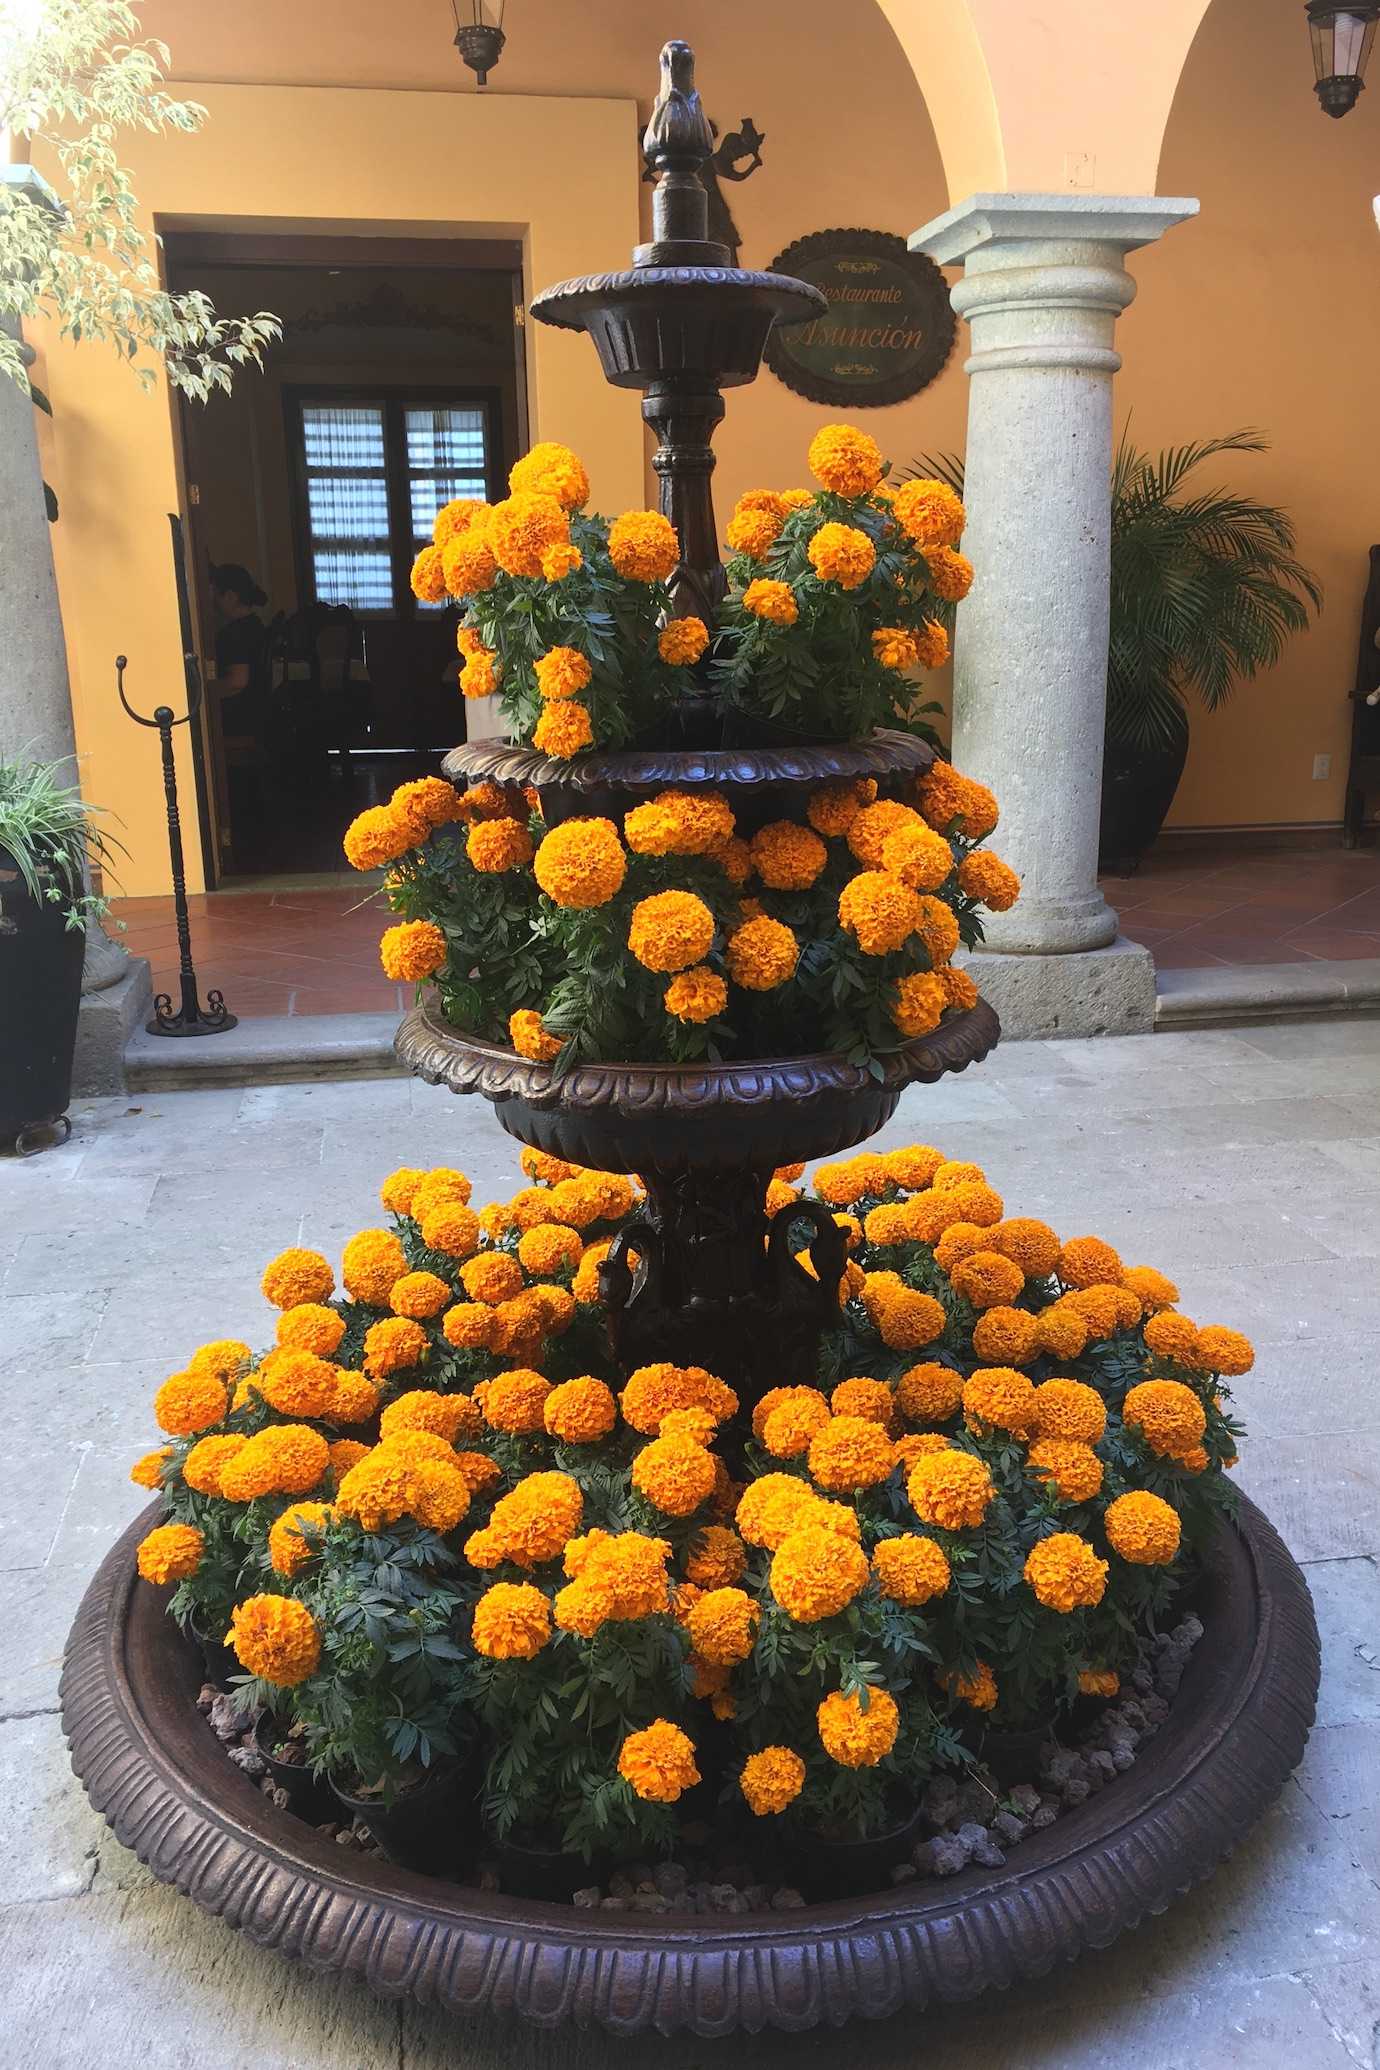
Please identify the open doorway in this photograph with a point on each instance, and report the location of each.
(397, 385)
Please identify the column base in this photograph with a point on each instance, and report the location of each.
(1107, 991)
(107, 1020)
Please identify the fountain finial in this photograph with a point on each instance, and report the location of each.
(676, 143)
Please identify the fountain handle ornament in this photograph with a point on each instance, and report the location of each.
(677, 142)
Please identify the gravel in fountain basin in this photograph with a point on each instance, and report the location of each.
(970, 1819)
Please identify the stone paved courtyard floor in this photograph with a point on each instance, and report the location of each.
(1246, 1165)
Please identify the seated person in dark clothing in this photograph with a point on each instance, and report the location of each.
(240, 648)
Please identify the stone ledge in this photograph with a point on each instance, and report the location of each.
(1107, 991)
(1239, 993)
(105, 1027)
(274, 1049)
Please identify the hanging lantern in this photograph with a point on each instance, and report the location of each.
(1342, 36)
(480, 40)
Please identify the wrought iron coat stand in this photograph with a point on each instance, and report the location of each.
(189, 1018)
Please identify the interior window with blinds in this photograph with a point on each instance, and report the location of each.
(375, 475)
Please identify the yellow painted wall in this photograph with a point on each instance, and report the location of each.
(560, 174)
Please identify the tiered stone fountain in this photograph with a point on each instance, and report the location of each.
(713, 1287)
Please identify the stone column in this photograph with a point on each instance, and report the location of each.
(1043, 285)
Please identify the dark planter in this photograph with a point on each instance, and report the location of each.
(752, 729)
(307, 1798)
(1012, 1757)
(1138, 786)
(216, 1658)
(40, 993)
(424, 1827)
(528, 1869)
(830, 1868)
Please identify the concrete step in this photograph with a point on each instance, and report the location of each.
(272, 1049)
(1235, 995)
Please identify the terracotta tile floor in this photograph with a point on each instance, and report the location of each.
(1295, 905)
(316, 951)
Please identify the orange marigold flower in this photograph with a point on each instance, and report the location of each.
(722, 1624)
(1069, 1409)
(189, 1402)
(1143, 1529)
(842, 554)
(298, 1383)
(959, 989)
(916, 1444)
(929, 512)
(424, 805)
(762, 954)
(861, 1397)
(275, 1638)
(679, 823)
(170, 1552)
(794, 1418)
(393, 1346)
(717, 1558)
(147, 1471)
(562, 672)
(1151, 1288)
(580, 1411)
(515, 1401)
(549, 1247)
(479, 677)
(355, 1399)
(773, 601)
(295, 1277)
(1103, 1309)
(512, 1621)
(468, 567)
(1168, 1415)
(468, 1326)
(496, 845)
(895, 648)
(881, 911)
(950, 1489)
(753, 530)
(225, 1358)
(659, 1762)
(674, 1473)
(522, 527)
(696, 995)
(854, 1736)
(932, 644)
(451, 1227)
(833, 808)
(461, 515)
(1075, 1469)
(910, 1569)
(787, 857)
(1061, 1331)
(563, 730)
(439, 1184)
(877, 824)
(907, 1320)
(929, 1393)
(989, 880)
(537, 1519)
(375, 838)
(950, 800)
(849, 1453)
(1098, 1682)
(771, 1780)
(1032, 1245)
(412, 951)
(285, 1459)
(816, 1573)
(978, 1690)
(951, 574)
(937, 929)
(428, 582)
(1005, 1337)
(998, 1398)
(961, 1240)
(447, 1416)
(670, 930)
(1085, 1261)
(1172, 1337)
(987, 1279)
(420, 1295)
(917, 855)
(551, 469)
(844, 460)
(1220, 1350)
(527, 1033)
(643, 546)
(774, 1506)
(372, 1261)
(581, 863)
(289, 1548)
(492, 1277)
(626, 1567)
(682, 641)
(310, 1327)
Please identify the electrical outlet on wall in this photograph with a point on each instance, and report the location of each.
(1322, 768)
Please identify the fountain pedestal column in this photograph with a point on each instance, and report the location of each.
(1043, 285)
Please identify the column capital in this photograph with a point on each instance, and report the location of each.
(1126, 221)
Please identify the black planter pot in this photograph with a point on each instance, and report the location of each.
(853, 1868)
(750, 729)
(423, 1828)
(216, 1658)
(529, 1869)
(307, 1798)
(1138, 786)
(1013, 1756)
(40, 993)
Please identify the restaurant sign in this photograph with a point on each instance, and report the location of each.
(888, 329)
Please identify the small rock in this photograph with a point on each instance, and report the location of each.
(1143, 1682)
(970, 1833)
(641, 1873)
(987, 1853)
(1189, 1631)
(1010, 1829)
(1156, 1710)
(1044, 1817)
(1076, 1791)
(646, 1888)
(613, 1904)
(649, 1901)
(226, 1721)
(346, 1837)
(940, 1801)
(365, 1837)
(670, 1878)
(206, 1696)
(904, 1872)
(738, 1903)
(948, 1854)
(1063, 1765)
(1100, 1762)
(1124, 1757)
(786, 1899)
(1131, 1714)
(621, 1884)
(280, 1799)
(699, 1894)
(721, 1896)
(1025, 1800)
(588, 1899)
(249, 1760)
(757, 1896)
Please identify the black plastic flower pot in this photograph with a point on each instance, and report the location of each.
(40, 994)
(829, 1867)
(1012, 1756)
(426, 1826)
(216, 1657)
(532, 1868)
(307, 1797)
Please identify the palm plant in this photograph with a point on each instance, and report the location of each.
(1205, 589)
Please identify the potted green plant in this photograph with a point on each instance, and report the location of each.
(1205, 590)
(49, 841)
